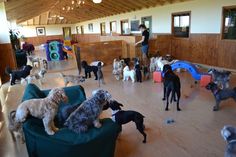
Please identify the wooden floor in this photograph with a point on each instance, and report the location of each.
(196, 132)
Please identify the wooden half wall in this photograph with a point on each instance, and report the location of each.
(7, 58)
(207, 49)
(103, 51)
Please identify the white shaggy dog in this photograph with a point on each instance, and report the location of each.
(37, 76)
(160, 62)
(152, 64)
(127, 73)
(45, 109)
(117, 69)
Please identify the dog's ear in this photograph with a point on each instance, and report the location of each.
(225, 133)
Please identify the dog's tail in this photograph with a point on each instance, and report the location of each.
(8, 70)
(63, 75)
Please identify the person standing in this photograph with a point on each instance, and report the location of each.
(144, 42)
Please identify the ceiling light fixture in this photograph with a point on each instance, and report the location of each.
(97, 1)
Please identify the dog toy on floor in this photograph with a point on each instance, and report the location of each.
(122, 117)
(88, 69)
(229, 135)
(221, 94)
(87, 114)
(169, 121)
(18, 74)
(45, 109)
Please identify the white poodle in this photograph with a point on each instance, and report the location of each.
(127, 73)
(45, 109)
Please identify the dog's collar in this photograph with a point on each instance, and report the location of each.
(114, 112)
(216, 91)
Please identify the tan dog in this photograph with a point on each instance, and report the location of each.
(44, 109)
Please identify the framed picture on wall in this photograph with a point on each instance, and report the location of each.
(90, 27)
(40, 31)
(135, 25)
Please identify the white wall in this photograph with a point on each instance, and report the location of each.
(205, 17)
(30, 31)
(4, 31)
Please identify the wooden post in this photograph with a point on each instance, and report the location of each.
(76, 50)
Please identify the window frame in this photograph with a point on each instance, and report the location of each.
(172, 24)
(223, 23)
(121, 26)
(111, 26)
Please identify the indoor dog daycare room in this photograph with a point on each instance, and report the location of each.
(118, 78)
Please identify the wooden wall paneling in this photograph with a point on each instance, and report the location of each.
(7, 58)
(104, 51)
(36, 41)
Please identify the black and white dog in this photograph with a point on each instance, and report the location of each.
(229, 135)
(171, 85)
(221, 78)
(220, 94)
(122, 117)
(88, 69)
(18, 74)
(137, 68)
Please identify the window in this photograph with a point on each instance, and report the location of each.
(229, 23)
(134, 25)
(113, 26)
(125, 27)
(103, 28)
(90, 27)
(181, 24)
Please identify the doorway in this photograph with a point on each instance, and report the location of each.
(147, 21)
(67, 33)
(82, 30)
(103, 28)
(124, 26)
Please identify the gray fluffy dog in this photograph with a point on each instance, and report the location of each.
(221, 78)
(229, 135)
(87, 114)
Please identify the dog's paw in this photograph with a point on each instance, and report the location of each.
(50, 132)
(178, 109)
(163, 99)
(55, 129)
(215, 108)
(166, 109)
(98, 125)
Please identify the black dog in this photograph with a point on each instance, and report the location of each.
(122, 117)
(18, 74)
(171, 85)
(220, 94)
(88, 69)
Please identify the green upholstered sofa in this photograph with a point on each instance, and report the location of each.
(65, 143)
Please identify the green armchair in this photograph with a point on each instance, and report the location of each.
(65, 143)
